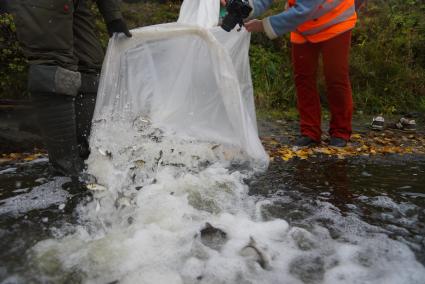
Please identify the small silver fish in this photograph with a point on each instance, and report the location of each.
(139, 163)
(122, 202)
(252, 251)
(105, 153)
(96, 187)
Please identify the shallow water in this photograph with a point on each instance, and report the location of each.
(318, 221)
(385, 193)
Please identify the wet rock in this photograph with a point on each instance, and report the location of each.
(253, 252)
(213, 237)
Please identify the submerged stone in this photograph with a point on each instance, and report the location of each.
(213, 237)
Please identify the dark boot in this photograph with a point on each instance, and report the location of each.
(52, 90)
(56, 117)
(84, 107)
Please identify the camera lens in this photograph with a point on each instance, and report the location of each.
(229, 22)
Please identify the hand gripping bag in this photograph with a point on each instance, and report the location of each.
(190, 78)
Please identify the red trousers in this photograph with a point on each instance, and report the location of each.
(305, 60)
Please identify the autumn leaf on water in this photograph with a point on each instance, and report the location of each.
(15, 157)
(33, 157)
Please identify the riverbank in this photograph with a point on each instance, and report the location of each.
(278, 131)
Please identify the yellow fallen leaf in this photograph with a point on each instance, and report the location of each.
(287, 157)
(32, 157)
(323, 150)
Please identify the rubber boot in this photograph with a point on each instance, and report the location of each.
(84, 108)
(56, 117)
(53, 90)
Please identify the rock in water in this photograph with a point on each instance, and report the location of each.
(213, 237)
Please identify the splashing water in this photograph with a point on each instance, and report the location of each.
(161, 190)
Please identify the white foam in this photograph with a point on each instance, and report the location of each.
(8, 171)
(152, 235)
(40, 197)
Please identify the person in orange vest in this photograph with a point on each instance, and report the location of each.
(318, 27)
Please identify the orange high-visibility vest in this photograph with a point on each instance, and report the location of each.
(330, 19)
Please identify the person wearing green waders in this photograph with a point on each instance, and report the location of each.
(59, 40)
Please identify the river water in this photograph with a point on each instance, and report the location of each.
(304, 221)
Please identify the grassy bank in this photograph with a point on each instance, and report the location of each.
(387, 57)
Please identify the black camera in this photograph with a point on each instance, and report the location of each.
(237, 10)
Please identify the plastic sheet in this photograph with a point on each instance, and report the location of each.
(190, 77)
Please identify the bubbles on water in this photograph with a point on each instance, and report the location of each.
(40, 197)
(41, 180)
(10, 170)
(149, 223)
(303, 239)
(309, 269)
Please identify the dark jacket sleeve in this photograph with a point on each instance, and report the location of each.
(110, 9)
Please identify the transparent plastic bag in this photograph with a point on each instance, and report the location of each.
(189, 77)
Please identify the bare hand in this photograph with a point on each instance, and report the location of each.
(254, 26)
(223, 2)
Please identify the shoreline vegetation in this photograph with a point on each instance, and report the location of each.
(387, 57)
